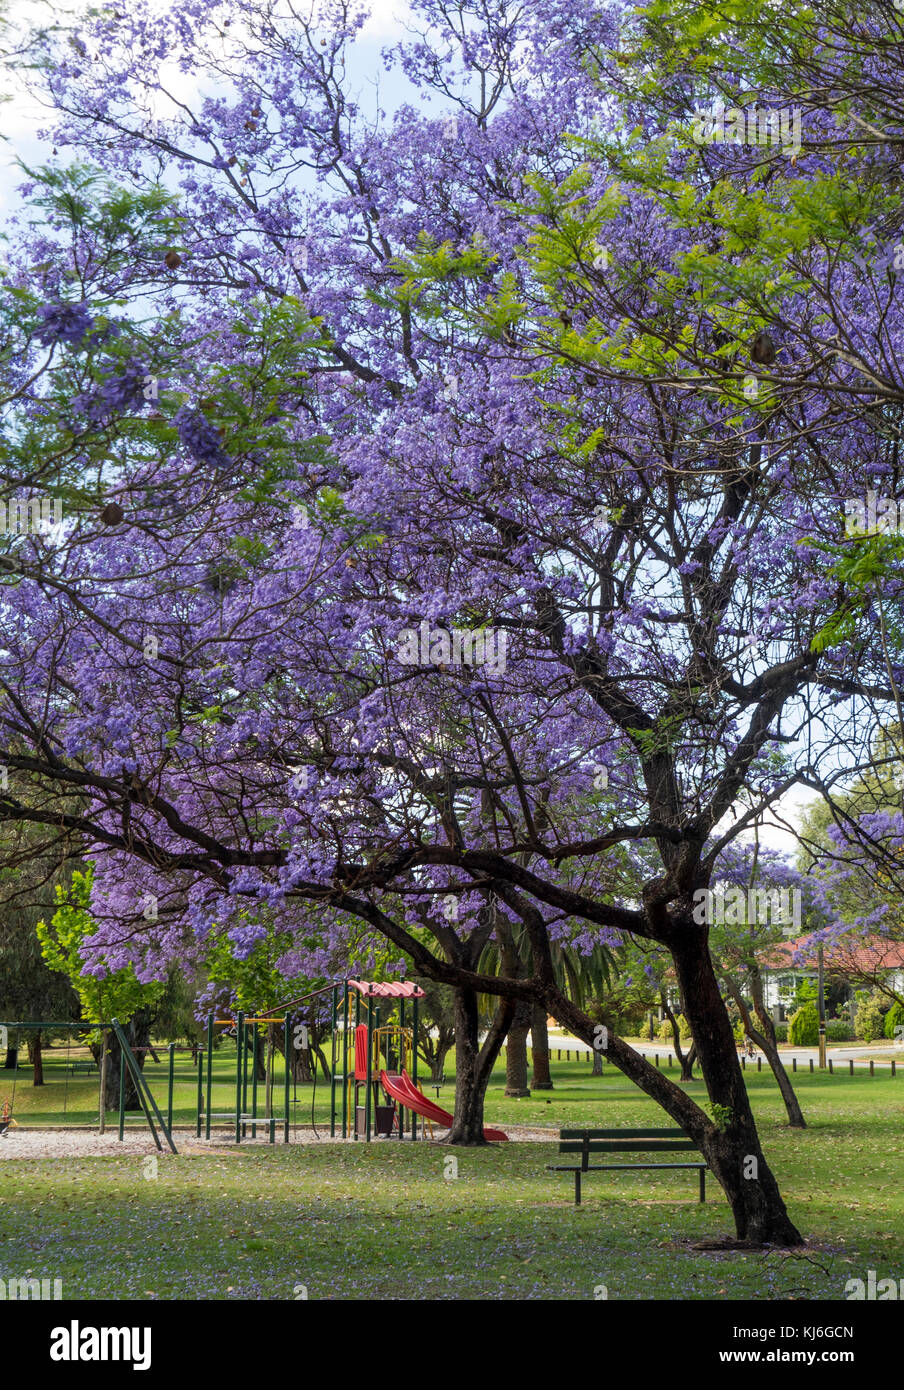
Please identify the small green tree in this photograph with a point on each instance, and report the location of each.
(869, 1021)
(803, 1030)
(118, 994)
(684, 1028)
(255, 982)
(894, 1019)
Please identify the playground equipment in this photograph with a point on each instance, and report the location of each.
(148, 1103)
(7, 1103)
(369, 1055)
(362, 1048)
(245, 1030)
(401, 1088)
(373, 1072)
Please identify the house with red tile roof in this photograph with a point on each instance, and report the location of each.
(856, 961)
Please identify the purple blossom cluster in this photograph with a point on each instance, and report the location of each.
(200, 439)
(63, 323)
(123, 390)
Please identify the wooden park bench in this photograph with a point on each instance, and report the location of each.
(584, 1142)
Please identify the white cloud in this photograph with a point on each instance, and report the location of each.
(386, 22)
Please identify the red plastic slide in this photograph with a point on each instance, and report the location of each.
(402, 1089)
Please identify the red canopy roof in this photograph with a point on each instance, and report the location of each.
(399, 989)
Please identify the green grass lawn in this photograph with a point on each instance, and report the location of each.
(384, 1220)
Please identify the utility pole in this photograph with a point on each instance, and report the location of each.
(822, 1011)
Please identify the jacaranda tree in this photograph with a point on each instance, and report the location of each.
(478, 484)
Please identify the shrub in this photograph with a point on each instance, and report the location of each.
(837, 1030)
(894, 1019)
(803, 1029)
(868, 1021)
(684, 1029)
(804, 994)
(781, 1032)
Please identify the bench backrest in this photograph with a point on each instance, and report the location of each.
(590, 1141)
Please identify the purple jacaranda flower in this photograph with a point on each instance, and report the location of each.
(199, 437)
(63, 323)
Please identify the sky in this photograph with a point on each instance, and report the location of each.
(22, 116)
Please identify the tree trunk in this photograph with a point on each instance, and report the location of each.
(512, 965)
(541, 1080)
(318, 1053)
(731, 1145)
(766, 1041)
(110, 1073)
(300, 1066)
(516, 1051)
(473, 1066)
(12, 1057)
(729, 1141)
(685, 1062)
(136, 1031)
(36, 1057)
(597, 1068)
(434, 1051)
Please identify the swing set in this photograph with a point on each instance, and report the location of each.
(8, 1101)
(127, 1062)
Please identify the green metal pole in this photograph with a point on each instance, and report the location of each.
(353, 1050)
(287, 1043)
(200, 1090)
(169, 1096)
(370, 1033)
(254, 1078)
(345, 1059)
(122, 1092)
(414, 1012)
(375, 1086)
(333, 1013)
(239, 1030)
(209, 1075)
(401, 1063)
(245, 1050)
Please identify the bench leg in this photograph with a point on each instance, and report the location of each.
(702, 1184)
(577, 1187)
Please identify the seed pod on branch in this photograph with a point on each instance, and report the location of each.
(763, 349)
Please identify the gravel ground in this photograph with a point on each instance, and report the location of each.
(46, 1143)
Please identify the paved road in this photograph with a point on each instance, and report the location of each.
(856, 1051)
